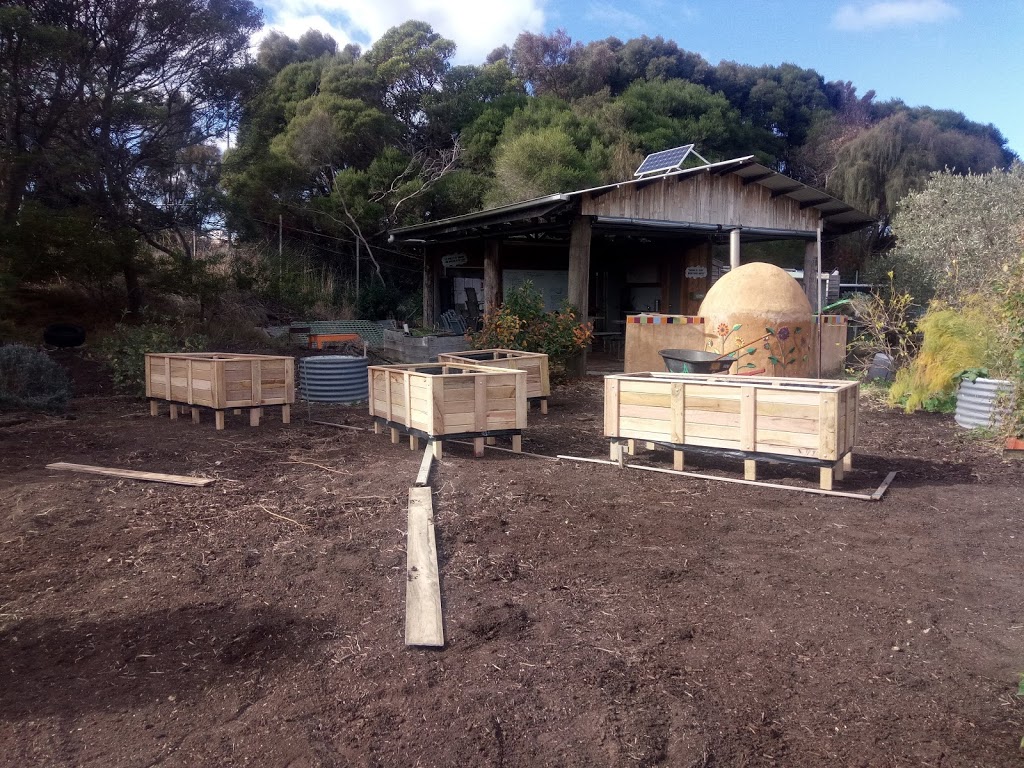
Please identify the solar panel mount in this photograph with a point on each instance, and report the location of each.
(667, 160)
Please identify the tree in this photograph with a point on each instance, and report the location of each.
(963, 230)
(122, 108)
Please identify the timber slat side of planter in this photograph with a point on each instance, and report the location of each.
(777, 417)
(220, 381)
(538, 380)
(448, 398)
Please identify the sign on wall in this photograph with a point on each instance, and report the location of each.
(454, 259)
(695, 273)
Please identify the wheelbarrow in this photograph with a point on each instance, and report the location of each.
(695, 361)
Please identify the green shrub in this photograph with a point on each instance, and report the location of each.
(522, 323)
(954, 340)
(125, 351)
(30, 379)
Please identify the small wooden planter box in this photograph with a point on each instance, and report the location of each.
(220, 381)
(538, 382)
(784, 419)
(447, 401)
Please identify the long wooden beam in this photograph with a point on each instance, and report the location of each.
(132, 474)
(423, 622)
(700, 476)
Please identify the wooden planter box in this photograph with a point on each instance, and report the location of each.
(538, 382)
(220, 381)
(798, 420)
(448, 401)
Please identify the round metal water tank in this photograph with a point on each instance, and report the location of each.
(982, 402)
(333, 379)
(978, 402)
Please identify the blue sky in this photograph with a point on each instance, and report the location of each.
(946, 54)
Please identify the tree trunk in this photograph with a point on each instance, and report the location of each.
(133, 287)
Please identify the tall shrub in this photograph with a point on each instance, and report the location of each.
(954, 340)
(522, 323)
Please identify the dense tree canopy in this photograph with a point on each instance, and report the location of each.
(107, 108)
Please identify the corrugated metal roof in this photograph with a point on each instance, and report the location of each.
(837, 214)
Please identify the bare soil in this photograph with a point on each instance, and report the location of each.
(594, 616)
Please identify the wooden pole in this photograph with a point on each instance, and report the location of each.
(579, 266)
(492, 276)
(429, 289)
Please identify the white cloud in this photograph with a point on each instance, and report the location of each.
(899, 13)
(476, 27)
(615, 17)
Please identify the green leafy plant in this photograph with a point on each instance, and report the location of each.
(886, 319)
(29, 379)
(125, 351)
(522, 323)
(954, 341)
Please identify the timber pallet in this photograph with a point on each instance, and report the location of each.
(829, 471)
(479, 439)
(255, 413)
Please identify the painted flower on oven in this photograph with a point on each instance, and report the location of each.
(783, 334)
(723, 330)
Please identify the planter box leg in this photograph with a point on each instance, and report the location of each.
(478, 446)
(437, 449)
(749, 469)
(614, 451)
(492, 441)
(254, 416)
(631, 447)
(286, 414)
(195, 415)
(544, 406)
(826, 478)
(517, 443)
(154, 408)
(174, 412)
(678, 461)
(394, 436)
(414, 443)
(238, 411)
(218, 419)
(839, 470)
(377, 428)
(848, 461)
(649, 446)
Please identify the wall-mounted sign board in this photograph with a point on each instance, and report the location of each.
(454, 259)
(695, 273)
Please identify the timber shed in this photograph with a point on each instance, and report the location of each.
(638, 245)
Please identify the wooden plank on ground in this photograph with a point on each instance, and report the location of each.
(423, 623)
(131, 474)
(701, 476)
(423, 477)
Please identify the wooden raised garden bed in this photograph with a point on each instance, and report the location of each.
(221, 382)
(446, 401)
(538, 382)
(782, 419)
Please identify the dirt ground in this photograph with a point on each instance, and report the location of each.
(594, 616)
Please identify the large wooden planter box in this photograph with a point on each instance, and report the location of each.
(220, 381)
(447, 401)
(538, 382)
(798, 420)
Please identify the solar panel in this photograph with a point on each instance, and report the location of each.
(666, 160)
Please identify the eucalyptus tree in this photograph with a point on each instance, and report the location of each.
(105, 106)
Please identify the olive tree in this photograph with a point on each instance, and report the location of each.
(963, 230)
